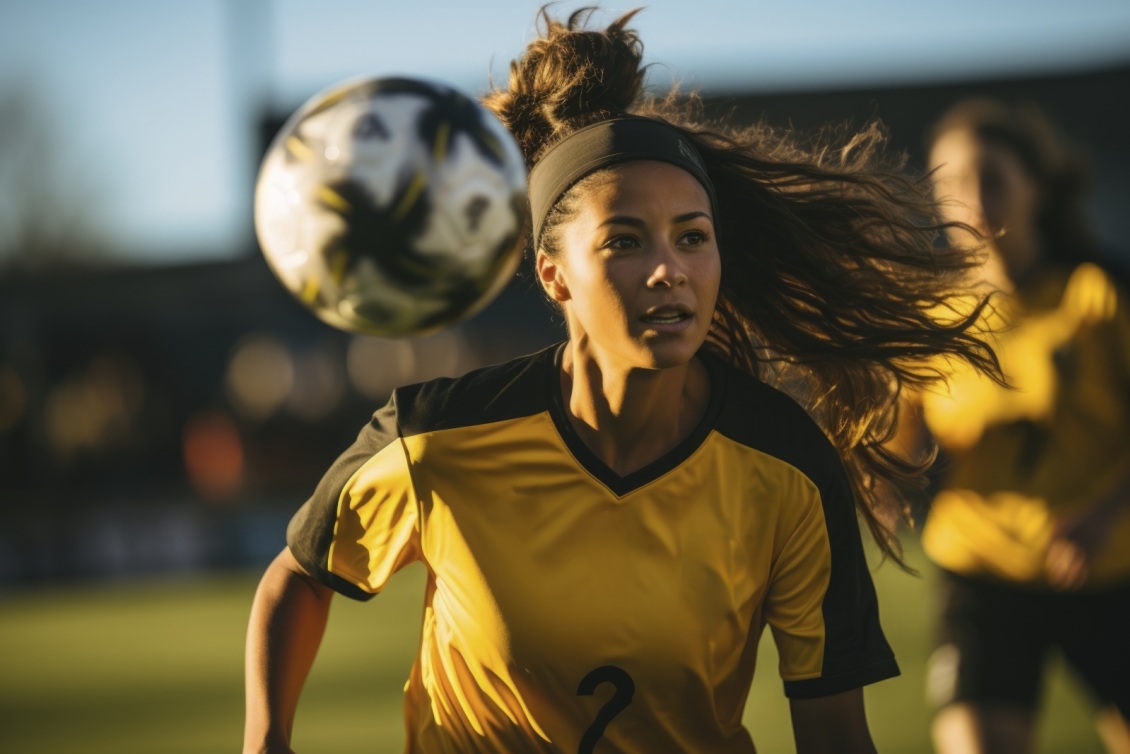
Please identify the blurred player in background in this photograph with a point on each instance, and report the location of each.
(1031, 525)
(609, 525)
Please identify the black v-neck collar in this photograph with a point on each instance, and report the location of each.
(622, 485)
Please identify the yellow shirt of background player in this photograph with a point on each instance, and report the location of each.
(1022, 457)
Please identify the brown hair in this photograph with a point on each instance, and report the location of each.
(833, 272)
(1058, 166)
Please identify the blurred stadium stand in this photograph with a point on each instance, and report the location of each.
(171, 418)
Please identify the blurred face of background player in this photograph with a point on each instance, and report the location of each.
(637, 268)
(984, 184)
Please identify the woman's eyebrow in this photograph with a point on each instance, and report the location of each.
(687, 216)
(624, 220)
(638, 223)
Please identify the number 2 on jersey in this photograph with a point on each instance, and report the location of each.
(625, 690)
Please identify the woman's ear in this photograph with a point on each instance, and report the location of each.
(552, 278)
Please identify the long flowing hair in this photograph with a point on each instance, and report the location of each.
(837, 286)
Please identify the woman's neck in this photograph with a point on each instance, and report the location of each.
(631, 416)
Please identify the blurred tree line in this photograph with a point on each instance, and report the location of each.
(48, 209)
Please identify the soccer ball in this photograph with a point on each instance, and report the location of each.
(392, 206)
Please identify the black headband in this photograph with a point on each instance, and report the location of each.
(601, 145)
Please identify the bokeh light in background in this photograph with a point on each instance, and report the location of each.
(213, 455)
(319, 383)
(96, 410)
(260, 375)
(376, 365)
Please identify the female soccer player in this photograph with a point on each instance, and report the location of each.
(609, 525)
(1032, 522)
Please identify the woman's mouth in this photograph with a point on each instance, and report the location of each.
(667, 316)
(666, 319)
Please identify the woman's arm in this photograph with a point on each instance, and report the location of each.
(834, 724)
(288, 618)
(1080, 537)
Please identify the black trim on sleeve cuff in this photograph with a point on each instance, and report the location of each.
(333, 581)
(813, 688)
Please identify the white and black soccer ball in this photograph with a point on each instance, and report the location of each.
(392, 206)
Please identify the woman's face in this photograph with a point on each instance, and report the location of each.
(637, 270)
(985, 185)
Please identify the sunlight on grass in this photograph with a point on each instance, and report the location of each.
(157, 667)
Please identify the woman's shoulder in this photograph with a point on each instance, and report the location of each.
(492, 393)
(770, 420)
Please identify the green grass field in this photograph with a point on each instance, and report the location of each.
(156, 667)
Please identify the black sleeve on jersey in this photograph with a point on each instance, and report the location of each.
(491, 394)
(494, 393)
(311, 530)
(856, 652)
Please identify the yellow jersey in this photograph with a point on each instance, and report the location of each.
(569, 609)
(1019, 459)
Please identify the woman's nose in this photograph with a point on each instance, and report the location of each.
(668, 271)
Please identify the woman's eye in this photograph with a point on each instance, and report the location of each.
(694, 238)
(621, 243)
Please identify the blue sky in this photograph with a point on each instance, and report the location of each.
(149, 104)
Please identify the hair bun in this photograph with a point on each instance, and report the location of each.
(569, 77)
